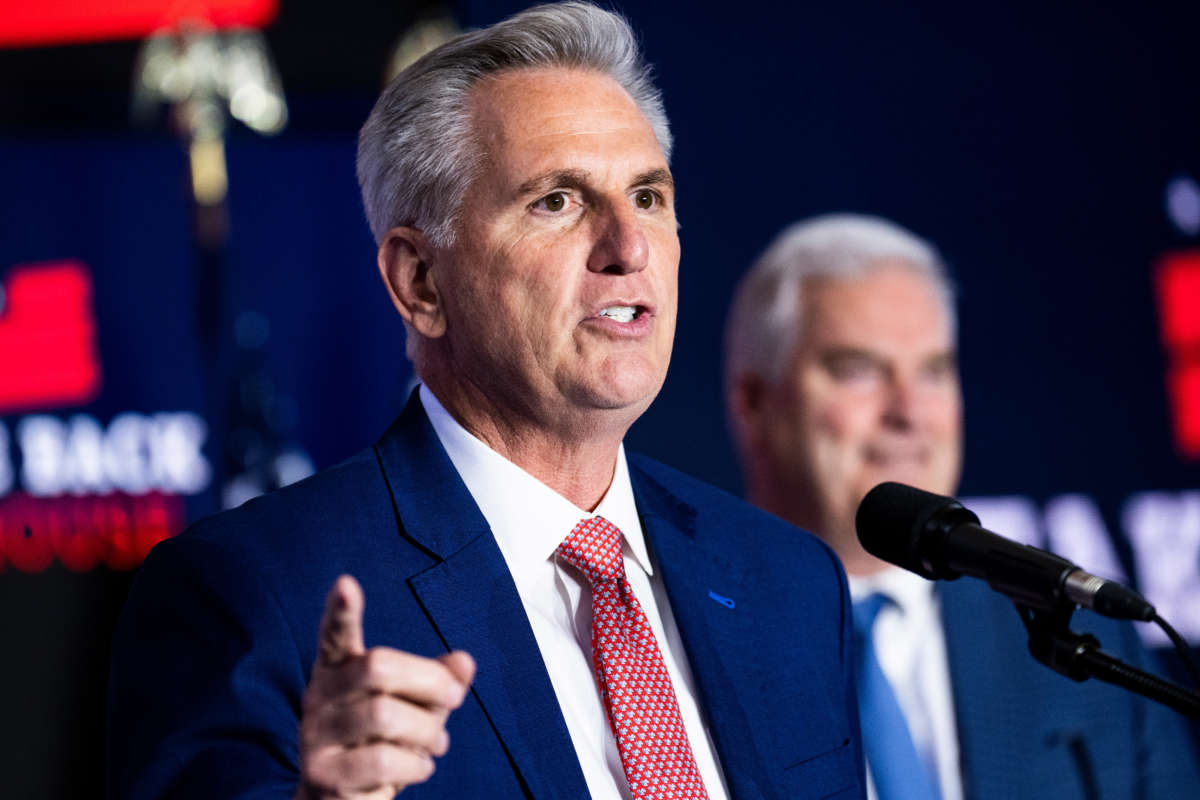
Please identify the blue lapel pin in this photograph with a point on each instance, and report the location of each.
(725, 601)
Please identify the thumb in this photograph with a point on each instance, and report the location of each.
(341, 632)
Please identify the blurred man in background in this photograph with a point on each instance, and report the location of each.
(841, 373)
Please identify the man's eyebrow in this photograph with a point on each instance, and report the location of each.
(946, 358)
(846, 352)
(578, 179)
(656, 177)
(553, 179)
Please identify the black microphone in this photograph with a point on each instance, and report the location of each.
(937, 538)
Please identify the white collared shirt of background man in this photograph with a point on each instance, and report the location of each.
(911, 647)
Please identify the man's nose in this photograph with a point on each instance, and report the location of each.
(901, 409)
(621, 246)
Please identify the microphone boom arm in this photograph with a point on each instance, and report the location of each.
(1079, 657)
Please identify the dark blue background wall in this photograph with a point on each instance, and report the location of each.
(1032, 142)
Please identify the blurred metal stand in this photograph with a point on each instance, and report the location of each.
(207, 77)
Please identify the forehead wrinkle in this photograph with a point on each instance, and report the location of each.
(631, 133)
(501, 140)
(619, 115)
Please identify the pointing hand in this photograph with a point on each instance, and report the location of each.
(372, 720)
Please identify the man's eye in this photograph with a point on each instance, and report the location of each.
(645, 199)
(555, 201)
(852, 369)
(940, 369)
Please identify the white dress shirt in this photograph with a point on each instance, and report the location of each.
(911, 647)
(529, 520)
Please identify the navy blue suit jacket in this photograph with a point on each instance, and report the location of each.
(1027, 732)
(215, 645)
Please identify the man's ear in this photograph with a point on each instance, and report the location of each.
(405, 263)
(747, 398)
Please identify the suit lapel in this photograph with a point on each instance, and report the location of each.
(709, 595)
(473, 603)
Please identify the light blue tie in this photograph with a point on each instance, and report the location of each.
(898, 772)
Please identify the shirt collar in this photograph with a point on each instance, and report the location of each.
(907, 590)
(527, 517)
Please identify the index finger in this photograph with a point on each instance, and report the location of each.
(340, 636)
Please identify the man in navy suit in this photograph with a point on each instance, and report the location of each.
(841, 374)
(631, 632)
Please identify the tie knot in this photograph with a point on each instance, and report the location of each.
(867, 609)
(594, 548)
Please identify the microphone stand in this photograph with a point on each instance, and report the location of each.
(1079, 657)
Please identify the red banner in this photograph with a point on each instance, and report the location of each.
(1179, 312)
(46, 22)
(48, 352)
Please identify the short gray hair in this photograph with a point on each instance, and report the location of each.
(765, 319)
(417, 154)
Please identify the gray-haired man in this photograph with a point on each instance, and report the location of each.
(634, 631)
(841, 373)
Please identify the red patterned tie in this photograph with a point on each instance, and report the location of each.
(642, 710)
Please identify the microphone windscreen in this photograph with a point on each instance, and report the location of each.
(891, 520)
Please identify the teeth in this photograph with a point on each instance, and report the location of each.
(619, 313)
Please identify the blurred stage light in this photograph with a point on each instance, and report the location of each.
(206, 76)
(209, 72)
(421, 37)
(1183, 204)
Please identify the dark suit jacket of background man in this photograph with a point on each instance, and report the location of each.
(217, 641)
(1025, 731)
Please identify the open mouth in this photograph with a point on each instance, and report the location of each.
(622, 313)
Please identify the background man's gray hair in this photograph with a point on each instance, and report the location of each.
(765, 319)
(417, 154)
